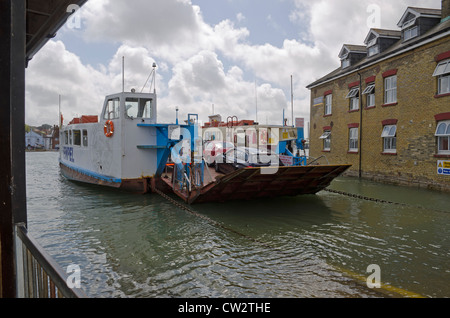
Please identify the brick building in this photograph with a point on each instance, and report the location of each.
(386, 110)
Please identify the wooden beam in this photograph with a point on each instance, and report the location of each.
(12, 132)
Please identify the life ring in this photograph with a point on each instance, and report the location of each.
(109, 128)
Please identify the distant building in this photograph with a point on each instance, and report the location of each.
(386, 109)
(55, 137)
(34, 140)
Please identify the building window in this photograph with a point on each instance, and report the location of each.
(442, 72)
(85, 138)
(370, 92)
(443, 137)
(326, 137)
(389, 136)
(353, 140)
(410, 33)
(390, 89)
(328, 103)
(345, 63)
(373, 50)
(353, 95)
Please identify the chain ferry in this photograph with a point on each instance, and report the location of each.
(125, 147)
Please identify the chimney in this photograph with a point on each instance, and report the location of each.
(445, 10)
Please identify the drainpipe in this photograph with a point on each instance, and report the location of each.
(360, 125)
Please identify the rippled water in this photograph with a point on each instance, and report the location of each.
(309, 246)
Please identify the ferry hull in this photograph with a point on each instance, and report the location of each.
(131, 185)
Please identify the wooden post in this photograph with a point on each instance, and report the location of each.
(12, 135)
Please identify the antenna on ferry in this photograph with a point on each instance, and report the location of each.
(256, 100)
(123, 74)
(153, 82)
(292, 102)
(59, 109)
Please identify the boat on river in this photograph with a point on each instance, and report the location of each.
(126, 148)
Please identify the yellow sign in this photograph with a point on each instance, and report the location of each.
(443, 167)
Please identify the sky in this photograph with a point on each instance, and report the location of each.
(227, 57)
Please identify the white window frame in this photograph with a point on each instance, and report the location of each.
(370, 92)
(353, 134)
(390, 89)
(345, 63)
(326, 137)
(444, 84)
(353, 95)
(389, 136)
(410, 33)
(328, 104)
(442, 72)
(443, 137)
(373, 50)
(84, 136)
(354, 103)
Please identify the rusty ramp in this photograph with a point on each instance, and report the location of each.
(265, 182)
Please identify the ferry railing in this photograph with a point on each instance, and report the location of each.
(38, 275)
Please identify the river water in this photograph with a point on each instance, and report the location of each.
(136, 246)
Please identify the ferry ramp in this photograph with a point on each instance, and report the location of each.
(260, 182)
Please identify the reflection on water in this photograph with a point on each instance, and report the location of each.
(143, 246)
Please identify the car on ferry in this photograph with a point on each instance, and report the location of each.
(214, 148)
(243, 157)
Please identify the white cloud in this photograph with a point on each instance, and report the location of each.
(201, 64)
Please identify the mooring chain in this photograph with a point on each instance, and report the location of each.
(187, 209)
(361, 197)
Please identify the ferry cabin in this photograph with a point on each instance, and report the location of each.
(110, 151)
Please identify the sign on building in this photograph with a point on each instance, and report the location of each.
(300, 122)
(318, 101)
(443, 168)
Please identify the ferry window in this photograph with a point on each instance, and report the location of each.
(390, 89)
(112, 109)
(353, 139)
(443, 137)
(389, 136)
(138, 107)
(66, 137)
(77, 137)
(70, 137)
(85, 138)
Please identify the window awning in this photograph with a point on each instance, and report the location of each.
(442, 68)
(369, 89)
(443, 129)
(389, 131)
(353, 93)
(326, 135)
